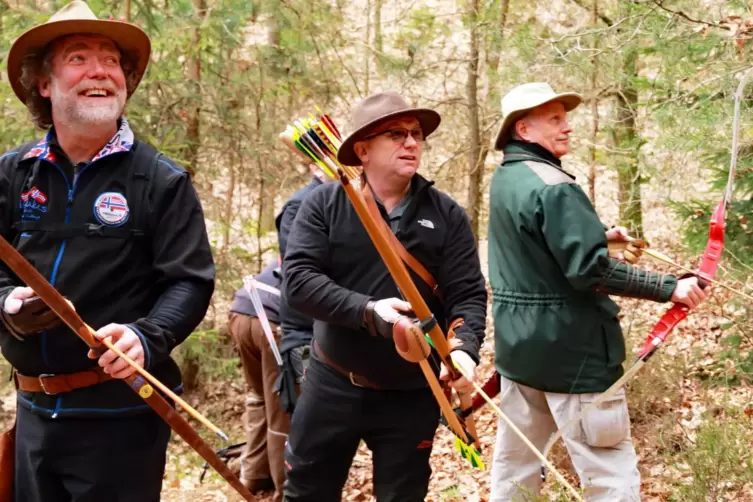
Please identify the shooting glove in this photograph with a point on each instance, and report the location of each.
(631, 251)
(34, 316)
(380, 316)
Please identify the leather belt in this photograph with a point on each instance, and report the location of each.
(57, 384)
(355, 379)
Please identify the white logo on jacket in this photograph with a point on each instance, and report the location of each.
(426, 223)
(111, 208)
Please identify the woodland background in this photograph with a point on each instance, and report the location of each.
(651, 146)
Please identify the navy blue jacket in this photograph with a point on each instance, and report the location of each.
(297, 328)
(271, 276)
(332, 269)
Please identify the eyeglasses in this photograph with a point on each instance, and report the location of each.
(400, 134)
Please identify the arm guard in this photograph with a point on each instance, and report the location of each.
(623, 279)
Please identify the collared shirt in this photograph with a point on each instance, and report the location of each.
(397, 211)
(121, 141)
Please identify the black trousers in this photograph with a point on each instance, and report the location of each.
(330, 420)
(113, 459)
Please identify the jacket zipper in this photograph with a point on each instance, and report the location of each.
(59, 257)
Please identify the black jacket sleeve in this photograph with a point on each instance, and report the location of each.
(462, 283)
(297, 328)
(8, 161)
(286, 224)
(183, 263)
(307, 288)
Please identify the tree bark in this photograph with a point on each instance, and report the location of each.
(367, 50)
(378, 42)
(594, 109)
(475, 161)
(193, 130)
(627, 140)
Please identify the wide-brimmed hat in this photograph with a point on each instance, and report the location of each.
(77, 18)
(378, 108)
(526, 97)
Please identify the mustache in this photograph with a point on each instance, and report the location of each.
(86, 86)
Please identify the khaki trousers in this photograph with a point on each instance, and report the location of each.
(600, 446)
(265, 422)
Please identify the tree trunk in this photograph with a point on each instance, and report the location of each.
(594, 110)
(261, 199)
(493, 94)
(367, 50)
(193, 130)
(378, 43)
(627, 140)
(127, 11)
(475, 161)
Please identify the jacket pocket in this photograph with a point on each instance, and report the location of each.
(608, 424)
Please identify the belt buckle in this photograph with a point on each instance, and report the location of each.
(350, 374)
(42, 378)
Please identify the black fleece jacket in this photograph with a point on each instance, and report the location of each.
(332, 269)
(158, 283)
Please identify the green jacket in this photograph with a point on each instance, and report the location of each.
(556, 328)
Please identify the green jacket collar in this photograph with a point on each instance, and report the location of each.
(518, 151)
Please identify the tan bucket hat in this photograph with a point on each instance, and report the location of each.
(526, 97)
(77, 17)
(377, 108)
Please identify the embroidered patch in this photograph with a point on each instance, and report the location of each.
(426, 223)
(33, 201)
(35, 194)
(111, 208)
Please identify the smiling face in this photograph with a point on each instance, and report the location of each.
(393, 149)
(547, 125)
(86, 85)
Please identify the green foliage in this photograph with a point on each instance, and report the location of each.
(218, 360)
(719, 462)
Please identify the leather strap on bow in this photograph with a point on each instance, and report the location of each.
(408, 258)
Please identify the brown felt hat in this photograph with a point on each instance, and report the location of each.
(77, 18)
(378, 108)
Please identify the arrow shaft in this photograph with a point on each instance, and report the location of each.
(662, 257)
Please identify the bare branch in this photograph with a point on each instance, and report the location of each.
(603, 18)
(685, 16)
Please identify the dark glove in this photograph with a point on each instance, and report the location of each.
(376, 325)
(287, 385)
(34, 316)
(299, 359)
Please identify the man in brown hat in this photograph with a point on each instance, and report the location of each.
(118, 229)
(357, 387)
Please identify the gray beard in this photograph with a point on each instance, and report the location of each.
(71, 111)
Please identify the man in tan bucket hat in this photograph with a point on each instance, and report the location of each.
(558, 341)
(118, 229)
(357, 387)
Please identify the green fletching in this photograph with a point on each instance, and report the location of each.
(469, 453)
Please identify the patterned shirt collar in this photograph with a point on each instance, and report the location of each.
(122, 141)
